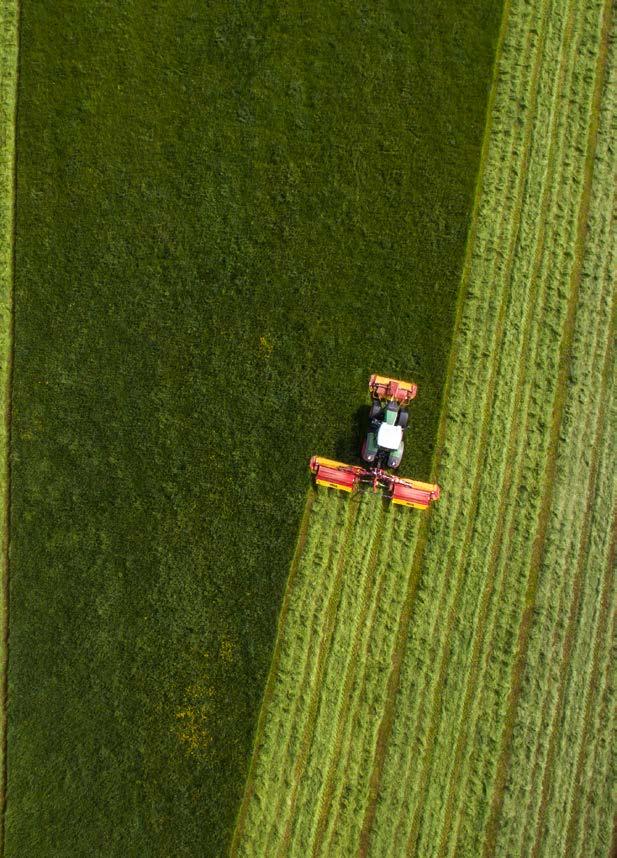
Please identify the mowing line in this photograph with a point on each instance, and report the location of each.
(485, 428)
(379, 651)
(602, 769)
(271, 681)
(550, 467)
(500, 546)
(346, 512)
(322, 653)
(9, 77)
(572, 818)
(570, 634)
(354, 725)
(471, 241)
(331, 702)
(591, 701)
(388, 716)
(328, 788)
(385, 725)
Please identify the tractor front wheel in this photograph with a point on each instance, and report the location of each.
(375, 410)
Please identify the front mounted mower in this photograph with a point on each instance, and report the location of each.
(382, 448)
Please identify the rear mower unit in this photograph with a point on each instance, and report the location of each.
(382, 448)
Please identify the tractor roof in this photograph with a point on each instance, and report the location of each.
(389, 437)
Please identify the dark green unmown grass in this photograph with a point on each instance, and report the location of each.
(228, 215)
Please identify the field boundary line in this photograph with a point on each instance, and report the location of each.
(551, 460)
(387, 719)
(322, 656)
(249, 788)
(10, 18)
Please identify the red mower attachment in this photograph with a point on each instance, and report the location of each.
(382, 387)
(413, 493)
(335, 475)
(348, 478)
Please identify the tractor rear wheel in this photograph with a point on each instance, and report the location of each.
(375, 410)
(403, 418)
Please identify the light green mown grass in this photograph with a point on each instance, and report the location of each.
(502, 715)
(8, 93)
(571, 634)
(313, 720)
(458, 746)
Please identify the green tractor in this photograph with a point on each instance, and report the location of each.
(383, 446)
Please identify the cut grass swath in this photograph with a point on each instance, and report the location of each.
(517, 431)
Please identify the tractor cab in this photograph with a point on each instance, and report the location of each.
(384, 446)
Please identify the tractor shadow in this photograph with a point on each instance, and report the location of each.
(348, 444)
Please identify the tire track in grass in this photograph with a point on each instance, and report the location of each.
(549, 472)
(499, 546)
(301, 722)
(484, 431)
(573, 626)
(601, 665)
(343, 617)
(350, 690)
(488, 391)
(9, 75)
(495, 592)
(313, 666)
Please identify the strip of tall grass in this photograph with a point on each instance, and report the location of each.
(228, 215)
(8, 95)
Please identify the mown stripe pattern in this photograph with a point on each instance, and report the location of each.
(502, 724)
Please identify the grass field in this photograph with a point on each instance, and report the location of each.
(8, 97)
(443, 686)
(227, 216)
